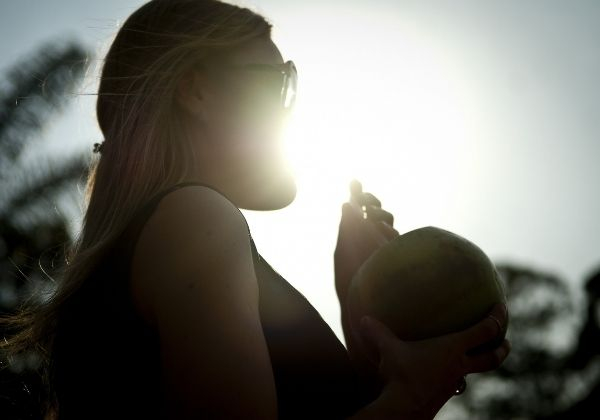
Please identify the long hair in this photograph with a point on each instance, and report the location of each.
(144, 150)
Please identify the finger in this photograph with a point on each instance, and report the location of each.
(356, 196)
(379, 214)
(376, 233)
(388, 231)
(368, 198)
(359, 228)
(362, 198)
(486, 330)
(489, 360)
(358, 208)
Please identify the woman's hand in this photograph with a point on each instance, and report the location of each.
(420, 376)
(358, 238)
(364, 227)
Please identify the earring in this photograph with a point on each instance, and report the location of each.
(98, 147)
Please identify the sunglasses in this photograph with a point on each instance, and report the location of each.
(282, 79)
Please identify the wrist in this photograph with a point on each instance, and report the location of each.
(384, 408)
(394, 401)
(375, 410)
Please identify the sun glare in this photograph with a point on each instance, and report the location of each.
(396, 123)
(383, 105)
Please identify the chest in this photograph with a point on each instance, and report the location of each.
(291, 324)
(311, 367)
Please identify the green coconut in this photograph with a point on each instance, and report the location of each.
(426, 283)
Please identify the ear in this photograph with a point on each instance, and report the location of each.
(190, 94)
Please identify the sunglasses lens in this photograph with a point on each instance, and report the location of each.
(262, 90)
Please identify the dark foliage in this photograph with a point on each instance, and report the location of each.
(33, 237)
(551, 373)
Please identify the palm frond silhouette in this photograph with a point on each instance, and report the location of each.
(32, 235)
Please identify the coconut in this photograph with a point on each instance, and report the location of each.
(426, 283)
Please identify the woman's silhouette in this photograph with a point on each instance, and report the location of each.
(166, 309)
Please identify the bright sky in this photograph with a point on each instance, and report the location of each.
(475, 116)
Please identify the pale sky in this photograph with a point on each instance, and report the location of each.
(481, 117)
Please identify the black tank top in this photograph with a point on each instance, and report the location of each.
(107, 361)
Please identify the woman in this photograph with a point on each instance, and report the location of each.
(165, 308)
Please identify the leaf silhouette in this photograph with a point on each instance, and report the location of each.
(33, 90)
(32, 235)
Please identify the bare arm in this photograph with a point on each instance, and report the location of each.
(202, 292)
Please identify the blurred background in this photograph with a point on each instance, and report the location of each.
(480, 117)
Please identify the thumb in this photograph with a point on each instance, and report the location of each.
(375, 335)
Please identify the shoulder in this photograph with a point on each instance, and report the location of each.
(193, 268)
(195, 205)
(194, 235)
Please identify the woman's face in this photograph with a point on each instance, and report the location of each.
(238, 129)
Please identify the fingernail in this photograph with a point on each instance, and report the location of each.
(495, 319)
(391, 227)
(355, 187)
